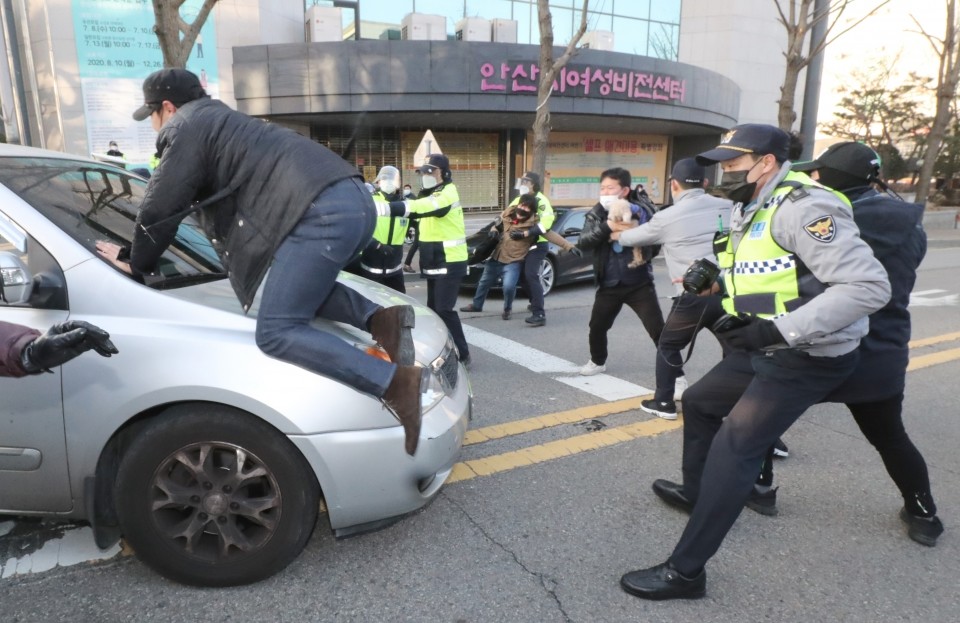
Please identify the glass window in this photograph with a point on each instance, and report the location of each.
(528, 28)
(452, 9)
(490, 9)
(665, 11)
(630, 36)
(636, 8)
(664, 41)
(563, 28)
(596, 21)
(90, 203)
(575, 221)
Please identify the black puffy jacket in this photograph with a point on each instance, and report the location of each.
(269, 175)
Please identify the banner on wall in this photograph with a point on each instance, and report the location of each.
(575, 161)
(116, 50)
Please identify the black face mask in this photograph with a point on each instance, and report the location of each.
(523, 215)
(735, 187)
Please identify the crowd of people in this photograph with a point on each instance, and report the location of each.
(802, 271)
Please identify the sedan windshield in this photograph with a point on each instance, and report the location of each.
(92, 202)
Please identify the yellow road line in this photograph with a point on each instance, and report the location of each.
(517, 427)
(933, 359)
(468, 470)
(937, 339)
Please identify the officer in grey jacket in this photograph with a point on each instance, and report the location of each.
(801, 283)
(686, 232)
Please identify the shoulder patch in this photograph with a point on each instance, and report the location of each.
(798, 193)
(821, 229)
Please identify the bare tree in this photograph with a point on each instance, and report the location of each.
(549, 69)
(169, 26)
(664, 43)
(948, 74)
(798, 18)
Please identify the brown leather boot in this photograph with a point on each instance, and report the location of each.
(403, 398)
(391, 328)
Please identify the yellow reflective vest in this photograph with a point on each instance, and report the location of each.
(443, 238)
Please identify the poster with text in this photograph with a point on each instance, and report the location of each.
(575, 161)
(116, 50)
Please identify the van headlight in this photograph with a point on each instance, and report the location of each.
(444, 372)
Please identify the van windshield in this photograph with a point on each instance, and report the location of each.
(91, 202)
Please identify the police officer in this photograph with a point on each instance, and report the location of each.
(802, 283)
(382, 260)
(874, 392)
(530, 183)
(686, 232)
(443, 241)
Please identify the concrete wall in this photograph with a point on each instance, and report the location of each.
(742, 40)
(423, 76)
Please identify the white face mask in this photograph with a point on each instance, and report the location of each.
(407, 192)
(606, 200)
(388, 188)
(524, 190)
(428, 181)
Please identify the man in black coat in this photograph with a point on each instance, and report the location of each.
(874, 392)
(269, 198)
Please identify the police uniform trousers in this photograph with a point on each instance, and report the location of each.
(731, 417)
(531, 274)
(442, 292)
(689, 314)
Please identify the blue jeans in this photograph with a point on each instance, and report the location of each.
(491, 271)
(302, 284)
(531, 272)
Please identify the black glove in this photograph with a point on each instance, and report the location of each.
(576, 251)
(493, 233)
(756, 335)
(516, 234)
(64, 341)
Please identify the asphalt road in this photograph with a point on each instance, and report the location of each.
(547, 540)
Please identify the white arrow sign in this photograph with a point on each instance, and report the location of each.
(926, 299)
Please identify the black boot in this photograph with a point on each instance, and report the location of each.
(403, 398)
(391, 328)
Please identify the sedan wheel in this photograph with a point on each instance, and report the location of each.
(214, 497)
(548, 275)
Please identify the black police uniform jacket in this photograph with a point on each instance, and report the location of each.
(261, 177)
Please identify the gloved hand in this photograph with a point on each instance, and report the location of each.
(756, 335)
(64, 341)
(516, 234)
(493, 233)
(576, 251)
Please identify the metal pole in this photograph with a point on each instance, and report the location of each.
(811, 91)
(12, 93)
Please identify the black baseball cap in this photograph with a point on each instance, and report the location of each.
(854, 159)
(435, 161)
(175, 85)
(687, 171)
(749, 138)
(533, 177)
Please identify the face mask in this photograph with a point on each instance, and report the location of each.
(735, 187)
(407, 192)
(388, 188)
(523, 215)
(606, 200)
(428, 181)
(524, 190)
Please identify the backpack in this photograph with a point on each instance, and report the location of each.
(653, 250)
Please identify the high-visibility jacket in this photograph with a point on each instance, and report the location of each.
(443, 237)
(384, 254)
(763, 278)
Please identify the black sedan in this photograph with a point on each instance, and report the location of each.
(557, 268)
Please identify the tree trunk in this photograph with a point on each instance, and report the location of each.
(947, 80)
(169, 24)
(786, 115)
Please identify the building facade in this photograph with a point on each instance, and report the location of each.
(645, 93)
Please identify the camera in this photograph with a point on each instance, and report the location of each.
(729, 322)
(700, 276)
